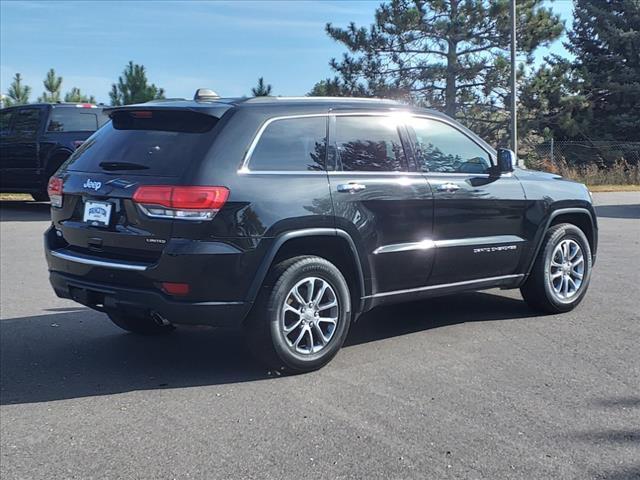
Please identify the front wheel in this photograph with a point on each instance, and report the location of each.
(302, 316)
(562, 271)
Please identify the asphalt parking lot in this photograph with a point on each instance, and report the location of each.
(474, 386)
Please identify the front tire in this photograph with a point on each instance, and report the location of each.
(302, 315)
(562, 271)
(140, 325)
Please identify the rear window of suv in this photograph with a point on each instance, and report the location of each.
(159, 143)
(74, 120)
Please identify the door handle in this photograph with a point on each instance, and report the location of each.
(350, 187)
(448, 187)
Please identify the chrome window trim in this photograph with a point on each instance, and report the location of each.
(247, 157)
(427, 243)
(444, 285)
(374, 172)
(281, 172)
(138, 267)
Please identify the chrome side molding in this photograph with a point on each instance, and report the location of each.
(456, 242)
(444, 285)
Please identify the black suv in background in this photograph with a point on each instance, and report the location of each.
(36, 139)
(289, 217)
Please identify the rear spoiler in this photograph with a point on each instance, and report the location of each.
(213, 110)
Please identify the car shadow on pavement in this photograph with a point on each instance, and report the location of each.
(79, 353)
(618, 211)
(24, 211)
(407, 318)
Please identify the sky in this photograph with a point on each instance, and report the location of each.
(184, 45)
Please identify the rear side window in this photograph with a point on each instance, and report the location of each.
(73, 120)
(369, 143)
(26, 122)
(443, 148)
(291, 144)
(146, 143)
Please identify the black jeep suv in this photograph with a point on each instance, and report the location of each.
(36, 139)
(290, 217)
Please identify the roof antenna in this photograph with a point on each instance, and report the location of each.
(205, 94)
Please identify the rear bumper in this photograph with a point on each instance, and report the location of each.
(132, 287)
(105, 298)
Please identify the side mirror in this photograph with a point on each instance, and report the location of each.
(506, 160)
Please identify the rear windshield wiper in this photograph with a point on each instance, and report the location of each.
(122, 166)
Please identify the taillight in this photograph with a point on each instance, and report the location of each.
(186, 203)
(77, 143)
(54, 190)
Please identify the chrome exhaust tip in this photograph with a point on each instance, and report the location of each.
(159, 319)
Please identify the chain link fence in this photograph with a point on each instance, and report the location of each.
(591, 162)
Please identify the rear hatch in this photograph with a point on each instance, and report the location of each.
(141, 146)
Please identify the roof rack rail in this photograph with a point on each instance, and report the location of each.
(321, 99)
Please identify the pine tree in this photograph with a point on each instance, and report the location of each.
(76, 96)
(18, 93)
(52, 85)
(261, 89)
(606, 43)
(334, 87)
(133, 87)
(447, 54)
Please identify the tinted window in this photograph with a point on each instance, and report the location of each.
(73, 120)
(146, 143)
(291, 144)
(26, 122)
(5, 122)
(369, 144)
(442, 148)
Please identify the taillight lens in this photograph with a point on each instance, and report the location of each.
(54, 190)
(186, 203)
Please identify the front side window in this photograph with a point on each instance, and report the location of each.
(442, 148)
(369, 144)
(26, 122)
(72, 120)
(291, 144)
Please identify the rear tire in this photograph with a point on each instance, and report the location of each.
(140, 325)
(301, 317)
(561, 273)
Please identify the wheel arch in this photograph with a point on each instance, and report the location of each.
(55, 159)
(334, 245)
(581, 217)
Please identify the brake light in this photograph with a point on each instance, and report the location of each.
(180, 202)
(142, 114)
(54, 190)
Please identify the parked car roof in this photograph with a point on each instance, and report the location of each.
(216, 106)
